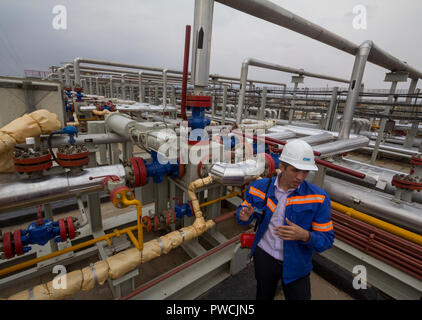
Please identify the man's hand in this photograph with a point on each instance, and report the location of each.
(246, 213)
(292, 232)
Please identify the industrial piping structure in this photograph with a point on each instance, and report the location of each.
(376, 212)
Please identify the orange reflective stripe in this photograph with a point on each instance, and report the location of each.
(255, 190)
(303, 202)
(245, 203)
(323, 230)
(271, 204)
(308, 196)
(259, 195)
(321, 224)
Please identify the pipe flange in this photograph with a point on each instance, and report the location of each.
(407, 182)
(139, 172)
(8, 246)
(28, 162)
(156, 222)
(73, 156)
(17, 242)
(62, 228)
(416, 159)
(147, 223)
(117, 195)
(70, 227)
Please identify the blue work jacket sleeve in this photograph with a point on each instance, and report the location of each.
(248, 200)
(322, 234)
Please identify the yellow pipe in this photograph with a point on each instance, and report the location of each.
(138, 204)
(116, 233)
(405, 234)
(230, 195)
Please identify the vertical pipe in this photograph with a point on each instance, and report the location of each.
(331, 110)
(292, 110)
(164, 88)
(408, 143)
(263, 104)
(77, 72)
(223, 110)
(111, 87)
(141, 92)
(67, 76)
(354, 88)
(243, 79)
(97, 86)
(201, 48)
(123, 82)
(185, 74)
(383, 122)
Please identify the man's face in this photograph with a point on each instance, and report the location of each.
(291, 177)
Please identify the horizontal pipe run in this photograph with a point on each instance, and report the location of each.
(179, 268)
(403, 233)
(340, 168)
(410, 248)
(16, 193)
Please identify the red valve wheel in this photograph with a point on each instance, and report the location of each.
(142, 171)
(62, 227)
(136, 173)
(70, 227)
(18, 242)
(156, 222)
(173, 214)
(147, 222)
(7, 246)
(167, 216)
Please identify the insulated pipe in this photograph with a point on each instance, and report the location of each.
(267, 65)
(95, 138)
(201, 44)
(118, 265)
(24, 193)
(273, 13)
(67, 75)
(354, 88)
(376, 203)
(341, 146)
(179, 268)
(237, 174)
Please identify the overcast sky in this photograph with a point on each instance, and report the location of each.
(151, 33)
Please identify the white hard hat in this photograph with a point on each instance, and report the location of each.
(299, 154)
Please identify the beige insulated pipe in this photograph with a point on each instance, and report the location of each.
(118, 265)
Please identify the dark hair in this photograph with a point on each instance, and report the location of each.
(285, 164)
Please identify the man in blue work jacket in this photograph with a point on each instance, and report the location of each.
(294, 218)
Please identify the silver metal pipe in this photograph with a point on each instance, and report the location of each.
(237, 174)
(341, 146)
(94, 138)
(354, 88)
(267, 65)
(273, 13)
(375, 177)
(318, 138)
(16, 194)
(374, 203)
(201, 43)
